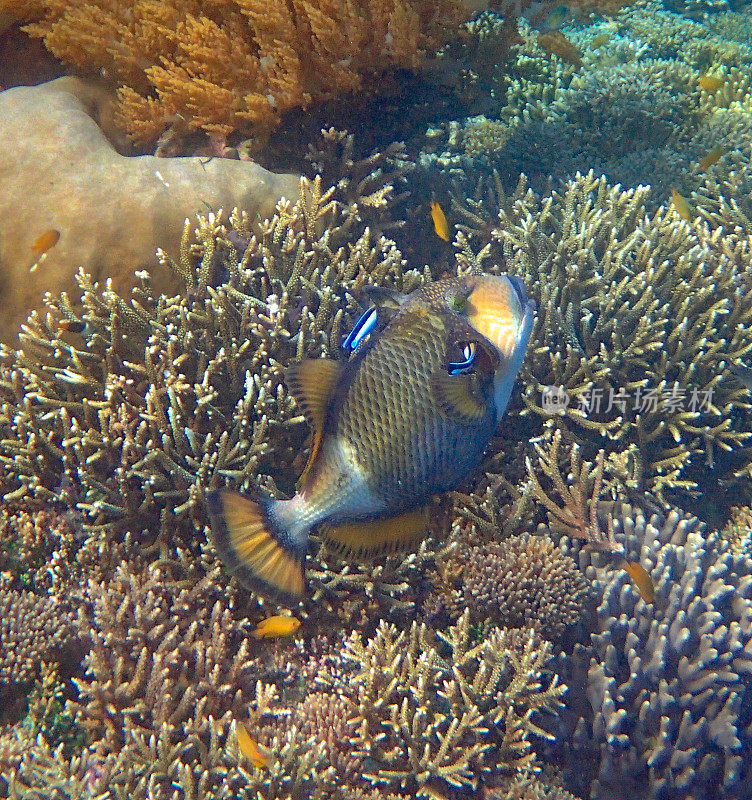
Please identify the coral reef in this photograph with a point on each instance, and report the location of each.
(130, 665)
(550, 119)
(239, 65)
(598, 266)
(658, 698)
(157, 398)
(111, 211)
(523, 581)
(738, 530)
(437, 710)
(33, 630)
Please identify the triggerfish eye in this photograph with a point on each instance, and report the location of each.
(466, 364)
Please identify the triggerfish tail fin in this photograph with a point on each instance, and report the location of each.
(259, 553)
(379, 536)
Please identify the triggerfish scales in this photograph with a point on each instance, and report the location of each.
(407, 417)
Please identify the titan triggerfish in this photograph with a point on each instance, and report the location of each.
(407, 417)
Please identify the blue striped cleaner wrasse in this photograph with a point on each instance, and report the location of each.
(407, 417)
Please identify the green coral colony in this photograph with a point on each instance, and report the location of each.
(563, 612)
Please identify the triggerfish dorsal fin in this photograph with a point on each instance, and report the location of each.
(312, 382)
(378, 536)
(259, 554)
(386, 300)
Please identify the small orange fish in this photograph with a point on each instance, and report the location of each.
(599, 40)
(276, 626)
(712, 157)
(642, 580)
(558, 44)
(710, 83)
(440, 224)
(71, 325)
(44, 242)
(681, 205)
(250, 749)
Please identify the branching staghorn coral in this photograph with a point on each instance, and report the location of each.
(724, 200)
(437, 710)
(39, 551)
(527, 787)
(662, 689)
(34, 630)
(158, 398)
(673, 35)
(598, 267)
(573, 494)
(222, 66)
(551, 121)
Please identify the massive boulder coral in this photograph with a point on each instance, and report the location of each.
(659, 698)
(60, 172)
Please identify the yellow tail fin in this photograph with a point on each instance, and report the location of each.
(262, 558)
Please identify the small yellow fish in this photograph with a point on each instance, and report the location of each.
(681, 205)
(599, 40)
(710, 83)
(44, 242)
(250, 749)
(440, 224)
(712, 157)
(642, 580)
(276, 626)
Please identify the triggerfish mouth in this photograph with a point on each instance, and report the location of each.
(407, 417)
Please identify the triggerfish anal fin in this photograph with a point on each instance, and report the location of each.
(311, 382)
(258, 554)
(378, 536)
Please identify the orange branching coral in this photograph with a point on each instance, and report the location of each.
(221, 65)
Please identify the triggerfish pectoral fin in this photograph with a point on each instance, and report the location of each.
(311, 382)
(248, 541)
(378, 536)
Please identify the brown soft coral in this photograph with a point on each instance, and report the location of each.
(221, 66)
